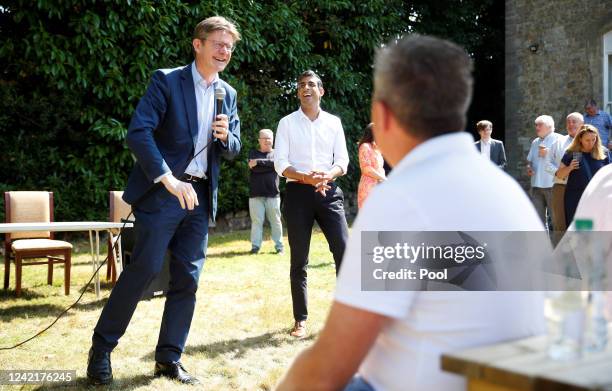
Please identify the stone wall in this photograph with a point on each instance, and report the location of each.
(553, 64)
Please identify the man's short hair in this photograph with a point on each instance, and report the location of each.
(590, 102)
(215, 23)
(310, 73)
(483, 125)
(546, 120)
(426, 82)
(266, 132)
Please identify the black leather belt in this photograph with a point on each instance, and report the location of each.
(191, 178)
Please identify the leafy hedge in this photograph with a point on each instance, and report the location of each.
(73, 71)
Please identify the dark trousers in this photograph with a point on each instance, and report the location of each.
(304, 206)
(185, 234)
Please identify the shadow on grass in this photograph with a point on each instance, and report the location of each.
(105, 286)
(26, 294)
(91, 305)
(30, 311)
(230, 254)
(117, 384)
(240, 346)
(320, 265)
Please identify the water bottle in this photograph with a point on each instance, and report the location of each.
(596, 330)
(565, 314)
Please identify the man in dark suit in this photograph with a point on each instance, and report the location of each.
(494, 149)
(173, 193)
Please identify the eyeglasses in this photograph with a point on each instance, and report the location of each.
(218, 45)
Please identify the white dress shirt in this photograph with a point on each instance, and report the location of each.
(205, 103)
(307, 145)
(424, 325)
(485, 148)
(205, 107)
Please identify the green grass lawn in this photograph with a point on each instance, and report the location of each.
(239, 337)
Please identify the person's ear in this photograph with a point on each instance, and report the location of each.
(321, 91)
(197, 45)
(381, 116)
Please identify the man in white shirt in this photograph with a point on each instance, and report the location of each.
(394, 340)
(573, 122)
(310, 151)
(489, 147)
(537, 160)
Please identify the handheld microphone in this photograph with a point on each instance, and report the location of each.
(219, 96)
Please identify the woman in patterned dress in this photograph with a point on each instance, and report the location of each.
(371, 165)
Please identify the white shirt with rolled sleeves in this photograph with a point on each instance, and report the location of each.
(307, 145)
(406, 355)
(555, 155)
(542, 177)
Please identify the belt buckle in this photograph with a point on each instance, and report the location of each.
(192, 178)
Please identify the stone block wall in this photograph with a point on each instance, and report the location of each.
(554, 52)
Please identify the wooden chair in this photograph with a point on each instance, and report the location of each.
(119, 209)
(33, 207)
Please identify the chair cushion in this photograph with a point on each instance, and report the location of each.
(26, 244)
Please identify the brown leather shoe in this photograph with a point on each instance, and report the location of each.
(299, 329)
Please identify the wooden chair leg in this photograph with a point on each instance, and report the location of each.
(67, 266)
(17, 274)
(50, 271)
(7, 270)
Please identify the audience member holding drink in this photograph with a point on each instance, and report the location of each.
(582, 159)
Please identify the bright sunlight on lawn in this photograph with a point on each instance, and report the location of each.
(239, 337)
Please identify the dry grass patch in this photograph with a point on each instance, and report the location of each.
(239, 337)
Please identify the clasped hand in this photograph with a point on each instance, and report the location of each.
(319, 179)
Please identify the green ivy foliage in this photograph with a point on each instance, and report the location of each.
(72, 72)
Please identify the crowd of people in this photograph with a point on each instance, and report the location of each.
(371, 340)
(561, 166)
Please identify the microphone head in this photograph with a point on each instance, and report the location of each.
(219, 93)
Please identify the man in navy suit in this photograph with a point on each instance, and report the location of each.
(177, 140)
(493, 149)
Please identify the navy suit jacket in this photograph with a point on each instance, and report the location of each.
(498, 154)
(163, 133)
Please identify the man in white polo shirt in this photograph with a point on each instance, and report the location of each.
(394, 340)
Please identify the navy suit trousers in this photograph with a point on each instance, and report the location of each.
(185, 234)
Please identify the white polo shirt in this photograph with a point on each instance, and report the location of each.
(441, 185)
